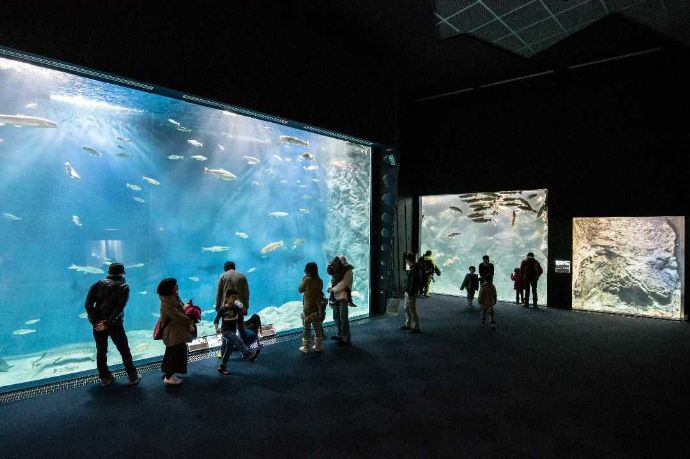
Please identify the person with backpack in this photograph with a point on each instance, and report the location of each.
(414, 279)
(428, 269)
(312, 288)
(471, 283)
(105, 306)
(531, 271)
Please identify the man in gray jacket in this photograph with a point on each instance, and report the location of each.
(232, 280)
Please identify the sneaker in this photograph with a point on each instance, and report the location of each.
(405, 327)
(172, 381)
(219, 355)
(107, 381)
(134, 379)
(414, 331)
(222, 370)
(304, 349)
(336, 338)
(250, 355)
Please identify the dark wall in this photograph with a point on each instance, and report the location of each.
(289, 58)
(606, 140)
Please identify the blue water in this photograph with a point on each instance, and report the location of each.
(165, 234)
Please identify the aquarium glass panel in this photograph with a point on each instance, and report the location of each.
(629, 265)
(505, 225)
(93, 173)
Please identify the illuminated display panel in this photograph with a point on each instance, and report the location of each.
(629, 265)
(93, 173)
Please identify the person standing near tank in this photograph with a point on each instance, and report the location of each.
(531, 271)
(105, 306)
(428, 268)
(414, 279)
(486, 268)
(341, 283)
(312, 288)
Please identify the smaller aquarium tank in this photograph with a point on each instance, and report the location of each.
(460, 229)
(629, 265)
(93, 172)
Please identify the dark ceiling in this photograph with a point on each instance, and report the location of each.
(343, 65)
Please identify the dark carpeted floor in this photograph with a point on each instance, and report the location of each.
(547, 383)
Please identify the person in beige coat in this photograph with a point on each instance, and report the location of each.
(487, 300)
(177, 330)
(312, 314)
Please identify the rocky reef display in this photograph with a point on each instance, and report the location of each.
(460, 229)
(629, 265)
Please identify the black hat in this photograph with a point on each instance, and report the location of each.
(116, 269)
(167, 286)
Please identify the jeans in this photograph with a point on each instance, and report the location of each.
(230, 341)
(340, 316)
(116, 332)
(411, 319)
(531, 283)
(249, 337)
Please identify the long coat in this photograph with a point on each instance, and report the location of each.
(487, 296)
(178, 326)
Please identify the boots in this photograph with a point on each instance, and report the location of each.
(305, 346)
(317, 344)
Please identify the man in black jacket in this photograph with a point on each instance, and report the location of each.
(414, 280)
(486, 269)
(105, 304)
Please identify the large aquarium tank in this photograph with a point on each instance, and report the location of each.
(629, 265)
(460, 229)
(93, 172)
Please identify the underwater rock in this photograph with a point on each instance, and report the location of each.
(4, 366)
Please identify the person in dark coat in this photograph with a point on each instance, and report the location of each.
(531, 271)
(105, 306)
(414, 280)
(485, 269)
(471, 284)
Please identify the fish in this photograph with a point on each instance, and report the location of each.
(357, 294)
(138, 199)
(1, 140)
(268, 171)
(31, 105)
(175, 157)
(122, 139)
(251, 160)
(4, 366)
(257, 183)
(251, 270)
(453, 236)
(220, 174)
(27, 121)
(173, 122)
(199, 157)
(526, 203)
(455, 208)
(272, 246)
(76, 220)
(86, 269)
(533, 195)
(451, 261)
(304, 211)
(84, 315)
(71, 171)
(493, 195)
(23, 331)
(122, 154)
(10, 217)
(225, 134)
(283, 181)
(476, 215)
(528, 208)
(143, 292)
(307, 196)
(307, 155)
(315, 180)
(195, 143)
(66, 355)
(278, 214)
(512, 223)
(32, 321)
(136, 265)
(91, 151)
(215, 248)
(193, 278)
(480, 207)
(221, 147)
(278, 157)
(481, 220)
(542, 209)
(183, 129)
(292, 139)
(302, 186)
(297, 243)
(133, 187)
(241, 234)
(313, 167)
(150, 180)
